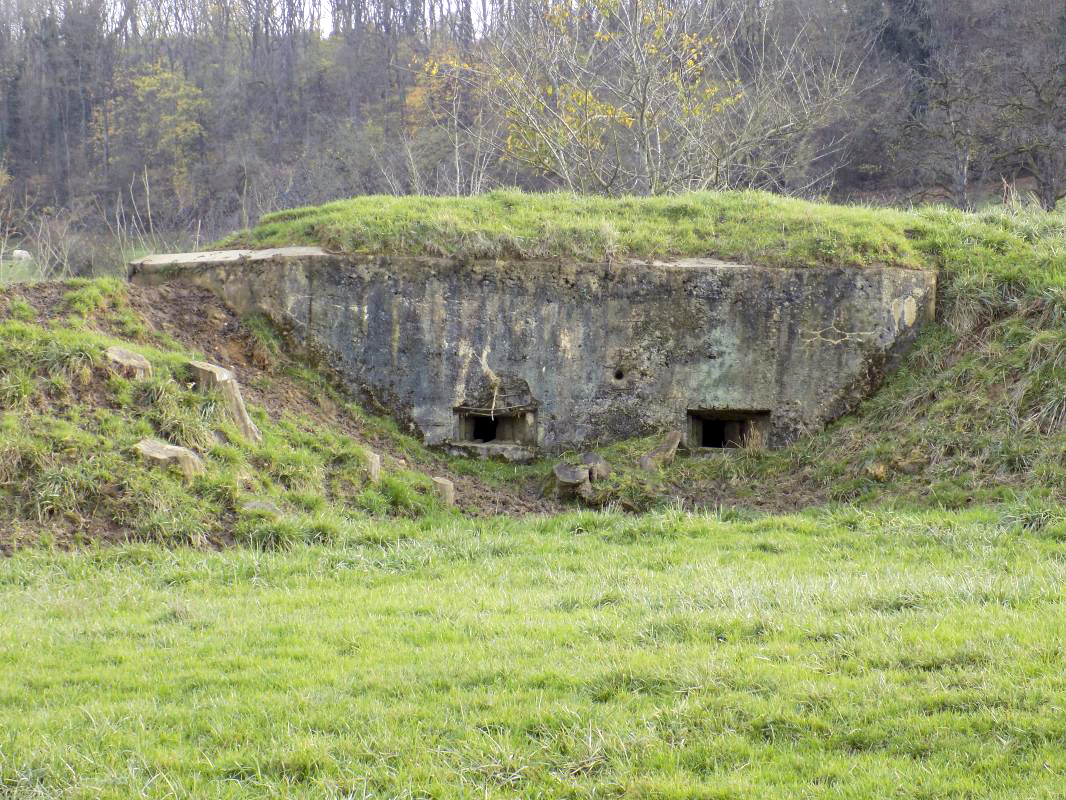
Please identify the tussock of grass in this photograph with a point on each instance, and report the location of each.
(88, 296)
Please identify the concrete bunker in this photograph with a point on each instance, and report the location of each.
(505, 359)
(712, 429)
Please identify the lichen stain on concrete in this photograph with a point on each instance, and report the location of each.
(466, 358)
(565, 350)
(590, 352)
(905, 310)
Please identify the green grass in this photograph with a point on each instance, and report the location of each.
(837, 654)
(366, 643)
(513, 224)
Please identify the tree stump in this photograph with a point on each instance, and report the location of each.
(164, 454)
(126, 362)
(210, 376)
(663, 453)
(571, 482)
(373, 467)
(445, 491)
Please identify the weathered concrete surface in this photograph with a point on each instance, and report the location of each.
(499, 451)
(587, 352)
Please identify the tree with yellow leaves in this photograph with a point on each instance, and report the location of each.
(651, 96)
(150, 131)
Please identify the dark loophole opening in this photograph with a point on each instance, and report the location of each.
(619, 374)
(484, 428)
(726, 429)
(478, 426)
(723, 433)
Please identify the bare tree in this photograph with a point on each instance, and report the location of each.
(954, 125)
(233, 107)
(1029, 95)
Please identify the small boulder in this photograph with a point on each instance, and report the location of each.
(162, 453)
(21, 255)
(132, 365)
(589, 495)
(598, 468)
(445, 491)
(663, 453)
(210, 376)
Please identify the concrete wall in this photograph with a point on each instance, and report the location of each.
(594, 352)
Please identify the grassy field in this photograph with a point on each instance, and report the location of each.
(839, 654)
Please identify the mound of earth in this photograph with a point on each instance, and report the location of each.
(67, 470)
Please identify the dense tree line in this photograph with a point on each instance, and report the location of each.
(202, 114)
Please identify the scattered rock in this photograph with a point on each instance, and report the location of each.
(132, 365)
(373, 467)
(21, 255)
(264, 507)
(210, 376)
(663, 453)
(445, 491)
(162, 453)
(570, 476)
(598, 468)
(913, 463)
(218, 316)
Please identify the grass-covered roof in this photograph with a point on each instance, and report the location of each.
(750, 227)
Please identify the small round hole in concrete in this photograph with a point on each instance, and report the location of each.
(619, 375)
